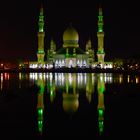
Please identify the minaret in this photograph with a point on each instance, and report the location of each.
(41, 35)
(53, 47)
(52, 90)
(100, 35)
(90, 53)
(88, 45)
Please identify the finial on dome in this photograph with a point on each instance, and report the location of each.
(70, 24)
(41, 8)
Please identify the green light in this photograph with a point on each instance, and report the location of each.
(101, 127)
(41, 51)
(67, 55)
(41, 21)
(51, 93)
(101, 89)
(40, 112)
(40, 120)
(74, 51)
(100, 21)
(101, 112)
(41, 26)
(40, 126)
(100, 52)
(42, 88)
(67, 52)
(100, 29)
(40, 123)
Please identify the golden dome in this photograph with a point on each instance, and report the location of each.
(70, 37)
(70, 102)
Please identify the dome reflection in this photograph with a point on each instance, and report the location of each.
(70, 102)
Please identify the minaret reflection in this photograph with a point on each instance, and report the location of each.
(89, 86)
(70, 96)
(40, 102)
(52, 91)
(51, 86)
(101, 106)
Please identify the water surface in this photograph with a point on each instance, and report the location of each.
(69, 105)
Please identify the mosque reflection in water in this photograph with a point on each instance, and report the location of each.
(70, 84)
(84, 94)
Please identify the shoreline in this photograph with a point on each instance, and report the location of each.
(70, 70)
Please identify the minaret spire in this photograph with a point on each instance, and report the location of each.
(100, 20)
(41, 19)
(41, 35)
(100, 35)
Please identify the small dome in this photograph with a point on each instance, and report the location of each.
(70, 37)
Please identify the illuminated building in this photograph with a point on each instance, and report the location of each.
(70, 55)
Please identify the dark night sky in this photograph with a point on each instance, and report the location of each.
(18, 26)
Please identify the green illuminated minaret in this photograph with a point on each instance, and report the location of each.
(41, 35)
(100, 35)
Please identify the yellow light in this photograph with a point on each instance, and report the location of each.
(137, 80)
(120, 79)
(1, 81)
(20, 76)
(128, 79)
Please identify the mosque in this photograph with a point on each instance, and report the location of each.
(70, 55)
